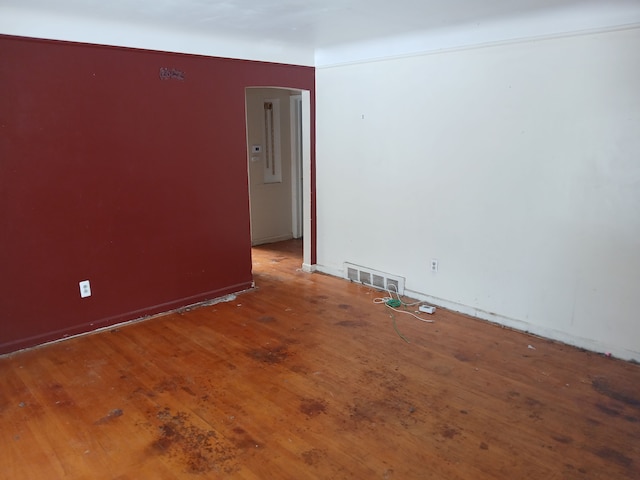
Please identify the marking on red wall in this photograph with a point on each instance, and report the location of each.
(171, 74)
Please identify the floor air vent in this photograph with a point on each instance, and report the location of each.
(373, 278)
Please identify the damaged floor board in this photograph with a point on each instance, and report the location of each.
(306, 378)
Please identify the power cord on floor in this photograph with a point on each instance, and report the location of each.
(394, 304)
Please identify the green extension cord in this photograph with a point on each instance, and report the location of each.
(395, 303)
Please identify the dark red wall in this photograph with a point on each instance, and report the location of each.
(110, 173)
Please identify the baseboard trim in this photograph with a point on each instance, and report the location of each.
(515, 324)
(526, 327)
(278, 238)
(308, 268)
(108, 323)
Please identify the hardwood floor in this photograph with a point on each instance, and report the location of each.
(306, 378)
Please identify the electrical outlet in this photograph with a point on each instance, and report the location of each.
(85, 289)
(434, 265)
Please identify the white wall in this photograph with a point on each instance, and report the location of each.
(516, 166)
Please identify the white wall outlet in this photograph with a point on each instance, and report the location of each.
(85, 289)
(434, 265)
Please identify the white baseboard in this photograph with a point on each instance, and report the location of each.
(309, 268)
(540, 331)
(545, 332)
(265, 240)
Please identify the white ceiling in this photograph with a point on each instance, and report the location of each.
(329, 24)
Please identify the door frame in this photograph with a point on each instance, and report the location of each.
(295, 117)
(306, 189)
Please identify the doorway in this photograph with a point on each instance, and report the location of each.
(278, 126)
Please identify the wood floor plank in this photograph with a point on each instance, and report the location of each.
(305, 377)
